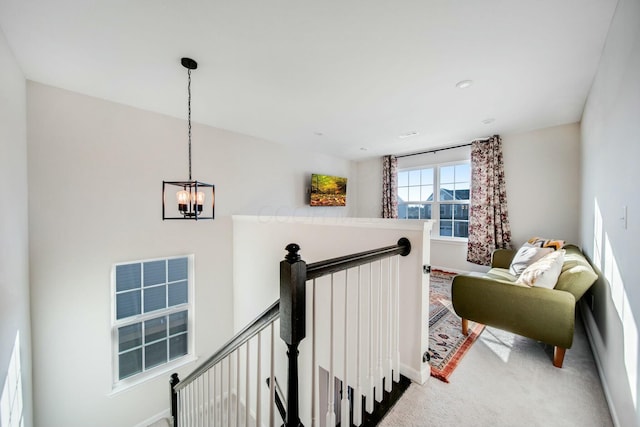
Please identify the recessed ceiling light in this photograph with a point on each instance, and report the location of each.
(488, 121)
(408, 134)
(463, 84)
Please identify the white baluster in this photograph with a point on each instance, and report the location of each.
(184, 409)
(379, 395)
(247, 415)
(192, 411)
(396, 328)
(196, 407)
(272, 380)
(370, 380)
(217, 386)
(207, 394)
(331, 415)
(188, 402)
(194, 403)
(221, 386)
(215, 395)
(185, 406)
(229, 369)
(198, 392)
(180, 416)
(208, 388)
(314, 367)
(258, 388)
(237, 423)
(201, 400)
(357, 395)
(191, 405)
(221, 393)
(344, 412)
(388, 366)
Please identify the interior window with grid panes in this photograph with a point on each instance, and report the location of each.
(151, 314)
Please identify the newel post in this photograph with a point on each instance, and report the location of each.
(293, 277)
(174, 398)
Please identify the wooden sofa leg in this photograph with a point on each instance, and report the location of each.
(558, 356)
(465, 326)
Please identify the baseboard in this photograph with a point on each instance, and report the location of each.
(589, 322)
(419, 377)
(146, 423)
(449, 270)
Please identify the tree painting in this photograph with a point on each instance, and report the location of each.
(328, 190)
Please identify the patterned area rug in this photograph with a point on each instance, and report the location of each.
(447, 344)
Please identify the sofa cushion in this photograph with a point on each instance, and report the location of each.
(527, 255)
(544, 273)
(502, 275)
(577, 274)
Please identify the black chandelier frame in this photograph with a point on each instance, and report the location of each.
(191, 210)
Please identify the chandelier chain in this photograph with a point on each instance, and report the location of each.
(189, 102)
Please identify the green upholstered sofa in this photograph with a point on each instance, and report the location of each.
(546, 315)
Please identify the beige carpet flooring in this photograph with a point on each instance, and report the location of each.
(508, 380)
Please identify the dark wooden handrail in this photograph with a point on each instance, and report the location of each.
(322, 268)
(261, 322)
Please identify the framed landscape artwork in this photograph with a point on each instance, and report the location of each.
(327, 190)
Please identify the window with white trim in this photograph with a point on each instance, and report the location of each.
(151, 314)
(438, 192)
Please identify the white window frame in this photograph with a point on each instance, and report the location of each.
(11, 395)
(435, 204)
(118, 384)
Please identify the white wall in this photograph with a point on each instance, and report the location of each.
(369, 188)
(542, 169)
(14, 250)
(95, 173)
(610, 176)
(542, 172)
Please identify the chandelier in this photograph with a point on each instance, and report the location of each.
(191, 195)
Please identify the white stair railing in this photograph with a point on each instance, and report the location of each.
(226, 390)
(354, 319)
(355, 337)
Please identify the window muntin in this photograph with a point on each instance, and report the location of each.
(151, 314)
(438, 192)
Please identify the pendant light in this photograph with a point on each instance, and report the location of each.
(191, 197)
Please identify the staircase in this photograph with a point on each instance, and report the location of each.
(346, 373)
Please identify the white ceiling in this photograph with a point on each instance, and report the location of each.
(334, 76)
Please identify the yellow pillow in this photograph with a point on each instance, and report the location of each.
(546, 243)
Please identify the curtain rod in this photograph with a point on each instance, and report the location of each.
(441, 149)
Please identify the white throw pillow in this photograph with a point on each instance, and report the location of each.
(527, 255)
(544, 273)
